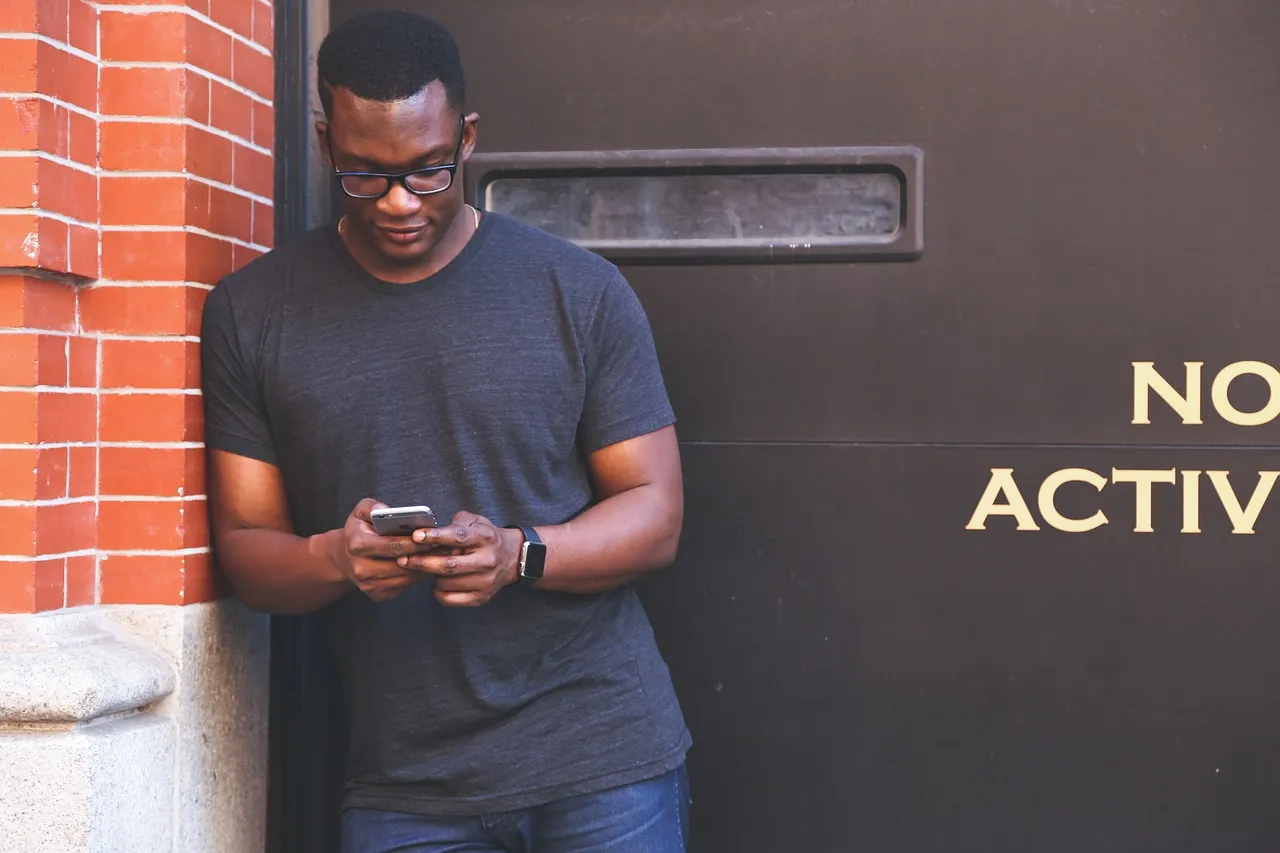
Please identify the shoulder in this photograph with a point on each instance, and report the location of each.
(568, 263)
(269, 272)
(258, 286)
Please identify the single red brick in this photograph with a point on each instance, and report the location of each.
(68, 191)
(230, 214)
(20, 123)
(19, 240)
(52, 474)
(254, 70)
(18, 16)
(19, 473)
(264, 125)
(65, 527)
(83, 363)
(208, 259)
(18, 65)
(142, 471)
(140, 146)
(150, 92)
(254, 171)
(209, 48)
(84, 251)
(264, 25)
(235, 15)
(264, 224)
(84, 26)
(154, 37)
(52, 364)
(55, 245)
(232, 111)
(17, 587)
(131, 310)
(157, 200)
(139, 526)
(51, 593)
(20, 182)
(68, 417)
(82, 136)
(18, 530)
(82, 580)
(19, 359)
(21, 418)
(67, 77)
(82, 479)
(127, 579)
(53, 19)
(144, 255)
(145, 364)
(209, 155)
(143, 417)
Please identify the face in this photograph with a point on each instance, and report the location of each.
(401, 228)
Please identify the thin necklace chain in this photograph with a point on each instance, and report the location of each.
(475, 215)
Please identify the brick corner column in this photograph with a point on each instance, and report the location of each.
(137, 150)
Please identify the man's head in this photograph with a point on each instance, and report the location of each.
(393, 92)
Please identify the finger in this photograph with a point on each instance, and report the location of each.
(478, 583)
(366, 506)
(463, 518)
(377, 571)
(461, 599)
(381, 591)
(476, 532)
(383, 547)
(449, 565)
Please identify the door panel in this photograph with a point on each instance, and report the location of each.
(863, 673)
(1098, 191)
(859, 669)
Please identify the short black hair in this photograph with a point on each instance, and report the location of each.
(389, 55)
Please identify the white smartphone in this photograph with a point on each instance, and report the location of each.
(401, 520)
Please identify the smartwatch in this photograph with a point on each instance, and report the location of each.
(533, 555)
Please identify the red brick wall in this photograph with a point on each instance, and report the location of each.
(135, 170)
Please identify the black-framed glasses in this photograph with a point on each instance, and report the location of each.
(424, 181)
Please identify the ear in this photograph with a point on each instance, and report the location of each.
(469, 135)
(322, 134)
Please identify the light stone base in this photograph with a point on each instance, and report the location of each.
(157, 743)
(105, 787)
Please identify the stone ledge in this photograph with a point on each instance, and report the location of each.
(75, 666)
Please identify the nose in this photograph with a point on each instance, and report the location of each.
(399, 203)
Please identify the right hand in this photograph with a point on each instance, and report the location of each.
(369, 560)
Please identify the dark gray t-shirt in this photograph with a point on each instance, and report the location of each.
(481, 388)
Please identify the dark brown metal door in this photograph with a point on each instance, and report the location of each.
(860, 670)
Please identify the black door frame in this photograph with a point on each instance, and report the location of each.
(305, 721)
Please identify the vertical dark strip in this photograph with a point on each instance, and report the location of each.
(306, 727)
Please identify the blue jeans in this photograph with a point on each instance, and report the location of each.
(647, 817)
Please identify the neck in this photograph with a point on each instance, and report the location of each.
(377, 265)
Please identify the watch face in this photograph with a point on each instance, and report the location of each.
(533, 556)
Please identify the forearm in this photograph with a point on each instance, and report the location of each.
(278, 572)
(613, 543)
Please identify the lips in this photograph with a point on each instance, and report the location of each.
(402, 235)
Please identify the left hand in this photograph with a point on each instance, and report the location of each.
(471, 559)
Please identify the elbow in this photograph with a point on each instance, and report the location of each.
(268, 605)
(668, 544)
(246, 594)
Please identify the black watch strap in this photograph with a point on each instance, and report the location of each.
(533, 555)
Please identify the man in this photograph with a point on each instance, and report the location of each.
(504, 685)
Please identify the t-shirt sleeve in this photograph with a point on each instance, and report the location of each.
(235, 418)
(625, 394)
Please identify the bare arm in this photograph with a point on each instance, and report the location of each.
(633, 528)
(273, 570)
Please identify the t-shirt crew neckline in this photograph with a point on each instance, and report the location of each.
(439, 277)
